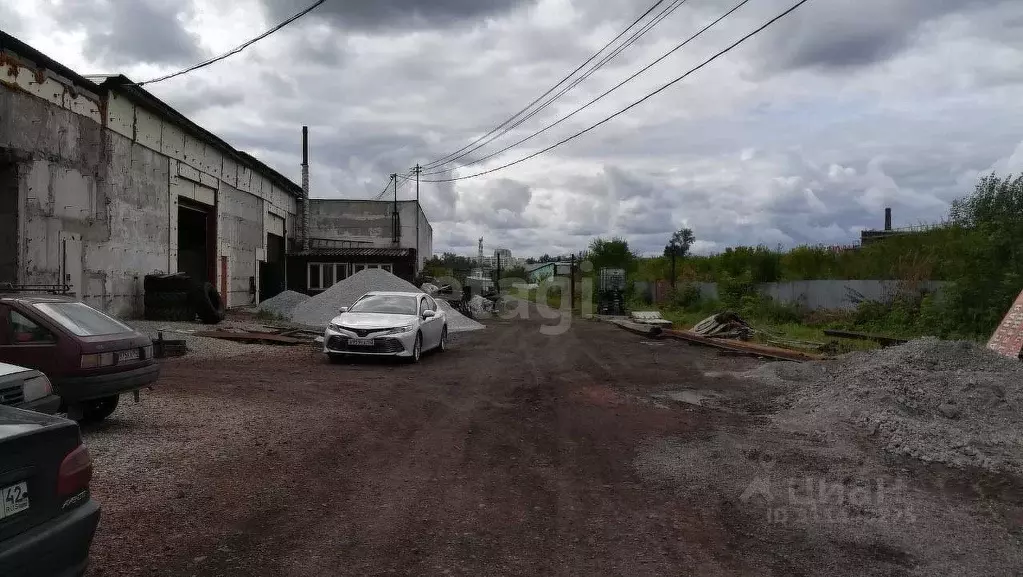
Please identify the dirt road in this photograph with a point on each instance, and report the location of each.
(515, 453)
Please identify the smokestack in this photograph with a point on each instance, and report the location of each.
(887, 219)
(305, 188)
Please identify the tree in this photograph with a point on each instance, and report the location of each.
(612, 253)
(678, 247)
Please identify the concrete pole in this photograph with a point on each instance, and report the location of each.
(419, 257)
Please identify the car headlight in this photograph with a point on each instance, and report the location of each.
(399, 330)
(338, 328)
(36, 388)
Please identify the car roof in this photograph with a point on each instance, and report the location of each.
(36, 298)
(394, 293)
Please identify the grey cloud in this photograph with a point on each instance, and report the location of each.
(379, 14)
(129, 32)
(843, 34)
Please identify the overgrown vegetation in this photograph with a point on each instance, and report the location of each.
(978, 251)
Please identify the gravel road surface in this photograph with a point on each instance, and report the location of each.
(594, 452)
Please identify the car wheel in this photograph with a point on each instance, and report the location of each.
(443, 346)
(417, 349)
(96, 410)
(336, 358)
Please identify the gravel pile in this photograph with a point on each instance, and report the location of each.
(947, 402)
(457, 322)
(283, 305)
(317, 311)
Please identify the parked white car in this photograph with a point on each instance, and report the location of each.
(400, 324)
(27, 389)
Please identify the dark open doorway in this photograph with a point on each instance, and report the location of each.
(272, 279)
(8, 219)
(195, 229)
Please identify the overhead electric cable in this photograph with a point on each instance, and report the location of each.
(605, 93)
(237, 49)
(634, 104)
(552, 89)
(600, 64)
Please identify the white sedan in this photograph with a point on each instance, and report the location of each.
(400, 324)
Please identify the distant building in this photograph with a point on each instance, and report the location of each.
(539, 271)
(872, 236)
(347, 236)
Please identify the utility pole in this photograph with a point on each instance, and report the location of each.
(395, 223)
(571, 286)
(419, 258)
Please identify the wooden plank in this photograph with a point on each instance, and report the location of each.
(743, 347)
(252, 337)
(1007, 339)
(881, 339)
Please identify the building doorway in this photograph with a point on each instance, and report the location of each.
(196, 240)
(272, 280)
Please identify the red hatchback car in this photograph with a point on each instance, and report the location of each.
(90, 358)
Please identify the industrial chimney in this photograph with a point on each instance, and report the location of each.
(887, 219)
(305, 188)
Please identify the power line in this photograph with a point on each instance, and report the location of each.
(634, 104)
(629, 42)
(387, 187)
(237, 49)
(552, 89)
(607, 92)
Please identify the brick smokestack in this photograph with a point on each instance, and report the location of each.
(887, 219)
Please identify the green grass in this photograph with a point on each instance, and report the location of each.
(685, 320)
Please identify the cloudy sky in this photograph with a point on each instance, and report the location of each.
(802, 135)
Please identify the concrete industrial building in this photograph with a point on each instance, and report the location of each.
(346, 236)
(102, 183)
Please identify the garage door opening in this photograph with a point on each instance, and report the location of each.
(272, 281)
(195, 229)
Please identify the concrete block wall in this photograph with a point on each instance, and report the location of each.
(89, 186)
(369, 221)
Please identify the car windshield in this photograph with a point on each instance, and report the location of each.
(82, 320)
(386, 304)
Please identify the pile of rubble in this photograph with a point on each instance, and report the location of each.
(955, 403)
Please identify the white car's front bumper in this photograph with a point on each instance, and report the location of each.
(398, 345)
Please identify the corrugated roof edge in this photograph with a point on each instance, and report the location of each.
(124, 85)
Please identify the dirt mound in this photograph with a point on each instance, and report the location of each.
(948, 402)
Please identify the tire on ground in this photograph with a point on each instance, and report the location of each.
(178, 282)
(96, 410)
(173, 313)
(207, 303)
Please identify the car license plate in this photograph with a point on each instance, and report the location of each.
(361, 342)
(129, 355)
(14, 499)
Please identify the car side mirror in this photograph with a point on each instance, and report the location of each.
(342, 310)
(428, 314)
